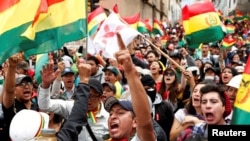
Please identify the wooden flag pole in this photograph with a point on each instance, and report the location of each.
(163, 53)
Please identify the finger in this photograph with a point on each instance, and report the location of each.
(120, 42)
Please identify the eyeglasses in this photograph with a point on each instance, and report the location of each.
(169, 74)
(93, 96)
(23, 84)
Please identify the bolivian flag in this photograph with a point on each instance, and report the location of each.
(64, 21)
(157, 28)
(241, 112)
(201, 23)
(16, 16)
(132, 20)
(144, 27)
(95, 18)
(226, 43)
(230, 29)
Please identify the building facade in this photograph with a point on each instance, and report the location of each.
(226, 6)
(149, 9)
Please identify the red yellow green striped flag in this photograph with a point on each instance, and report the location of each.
(95, 18)
(238, 13)
(64, 21)
(241, 112)
(143, 26)
(201, 24)
(16, 16)
(132, 20)
(226, 42)
(157, 28)
(92, 117)
(230, 29)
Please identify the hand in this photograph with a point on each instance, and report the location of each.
(113, 62)
(84, 72)
(48, 75)
(15, 59)
(61, 66)
(131, 47)
(184, 52)
(188, 75)
(190, 121)
(123, 56)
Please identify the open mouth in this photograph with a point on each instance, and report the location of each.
(113, 127)
(69, 82)
(196, 99)
(168, 79)
(226, 78)
(232, 99)
(209, 116)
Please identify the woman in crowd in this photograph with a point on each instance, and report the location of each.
(190, 114)
(170, 88)
(156, 70)
(226, 75)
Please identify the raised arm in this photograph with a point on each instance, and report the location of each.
(56, 86)
(78, 117)
(10, 81)
(140, 103)
(45, 103)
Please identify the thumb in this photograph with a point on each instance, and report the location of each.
(120, 42)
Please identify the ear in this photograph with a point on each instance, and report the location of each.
(134, 123)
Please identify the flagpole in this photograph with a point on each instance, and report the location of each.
(84, 51)
(162, 53)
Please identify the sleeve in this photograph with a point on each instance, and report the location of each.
(138, 62)
(190, 61)
(78, 117)
(56, 86)
(57, 106)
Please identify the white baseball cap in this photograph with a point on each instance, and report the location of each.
(235, 81)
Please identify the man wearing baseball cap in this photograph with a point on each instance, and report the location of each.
(121, 122)
(108, 90)
(17, 94)
(97, 115)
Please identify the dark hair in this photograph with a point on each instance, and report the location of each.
(154, 52)
(164, 116)
(93, 58)
(161, 66)
(173, 90)
(214, 88)
(189, 107)
(233, 70)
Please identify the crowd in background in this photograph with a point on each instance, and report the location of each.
(179, 93)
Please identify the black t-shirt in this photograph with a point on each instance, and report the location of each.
(9, 114)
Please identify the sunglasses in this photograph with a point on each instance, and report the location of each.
(169, 74)
(23, 84)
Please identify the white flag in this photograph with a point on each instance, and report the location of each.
(106, 36)
(91, 48)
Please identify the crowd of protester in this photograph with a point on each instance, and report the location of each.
(141, 95)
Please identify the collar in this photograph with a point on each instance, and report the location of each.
(102, 112)
(71, 91)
